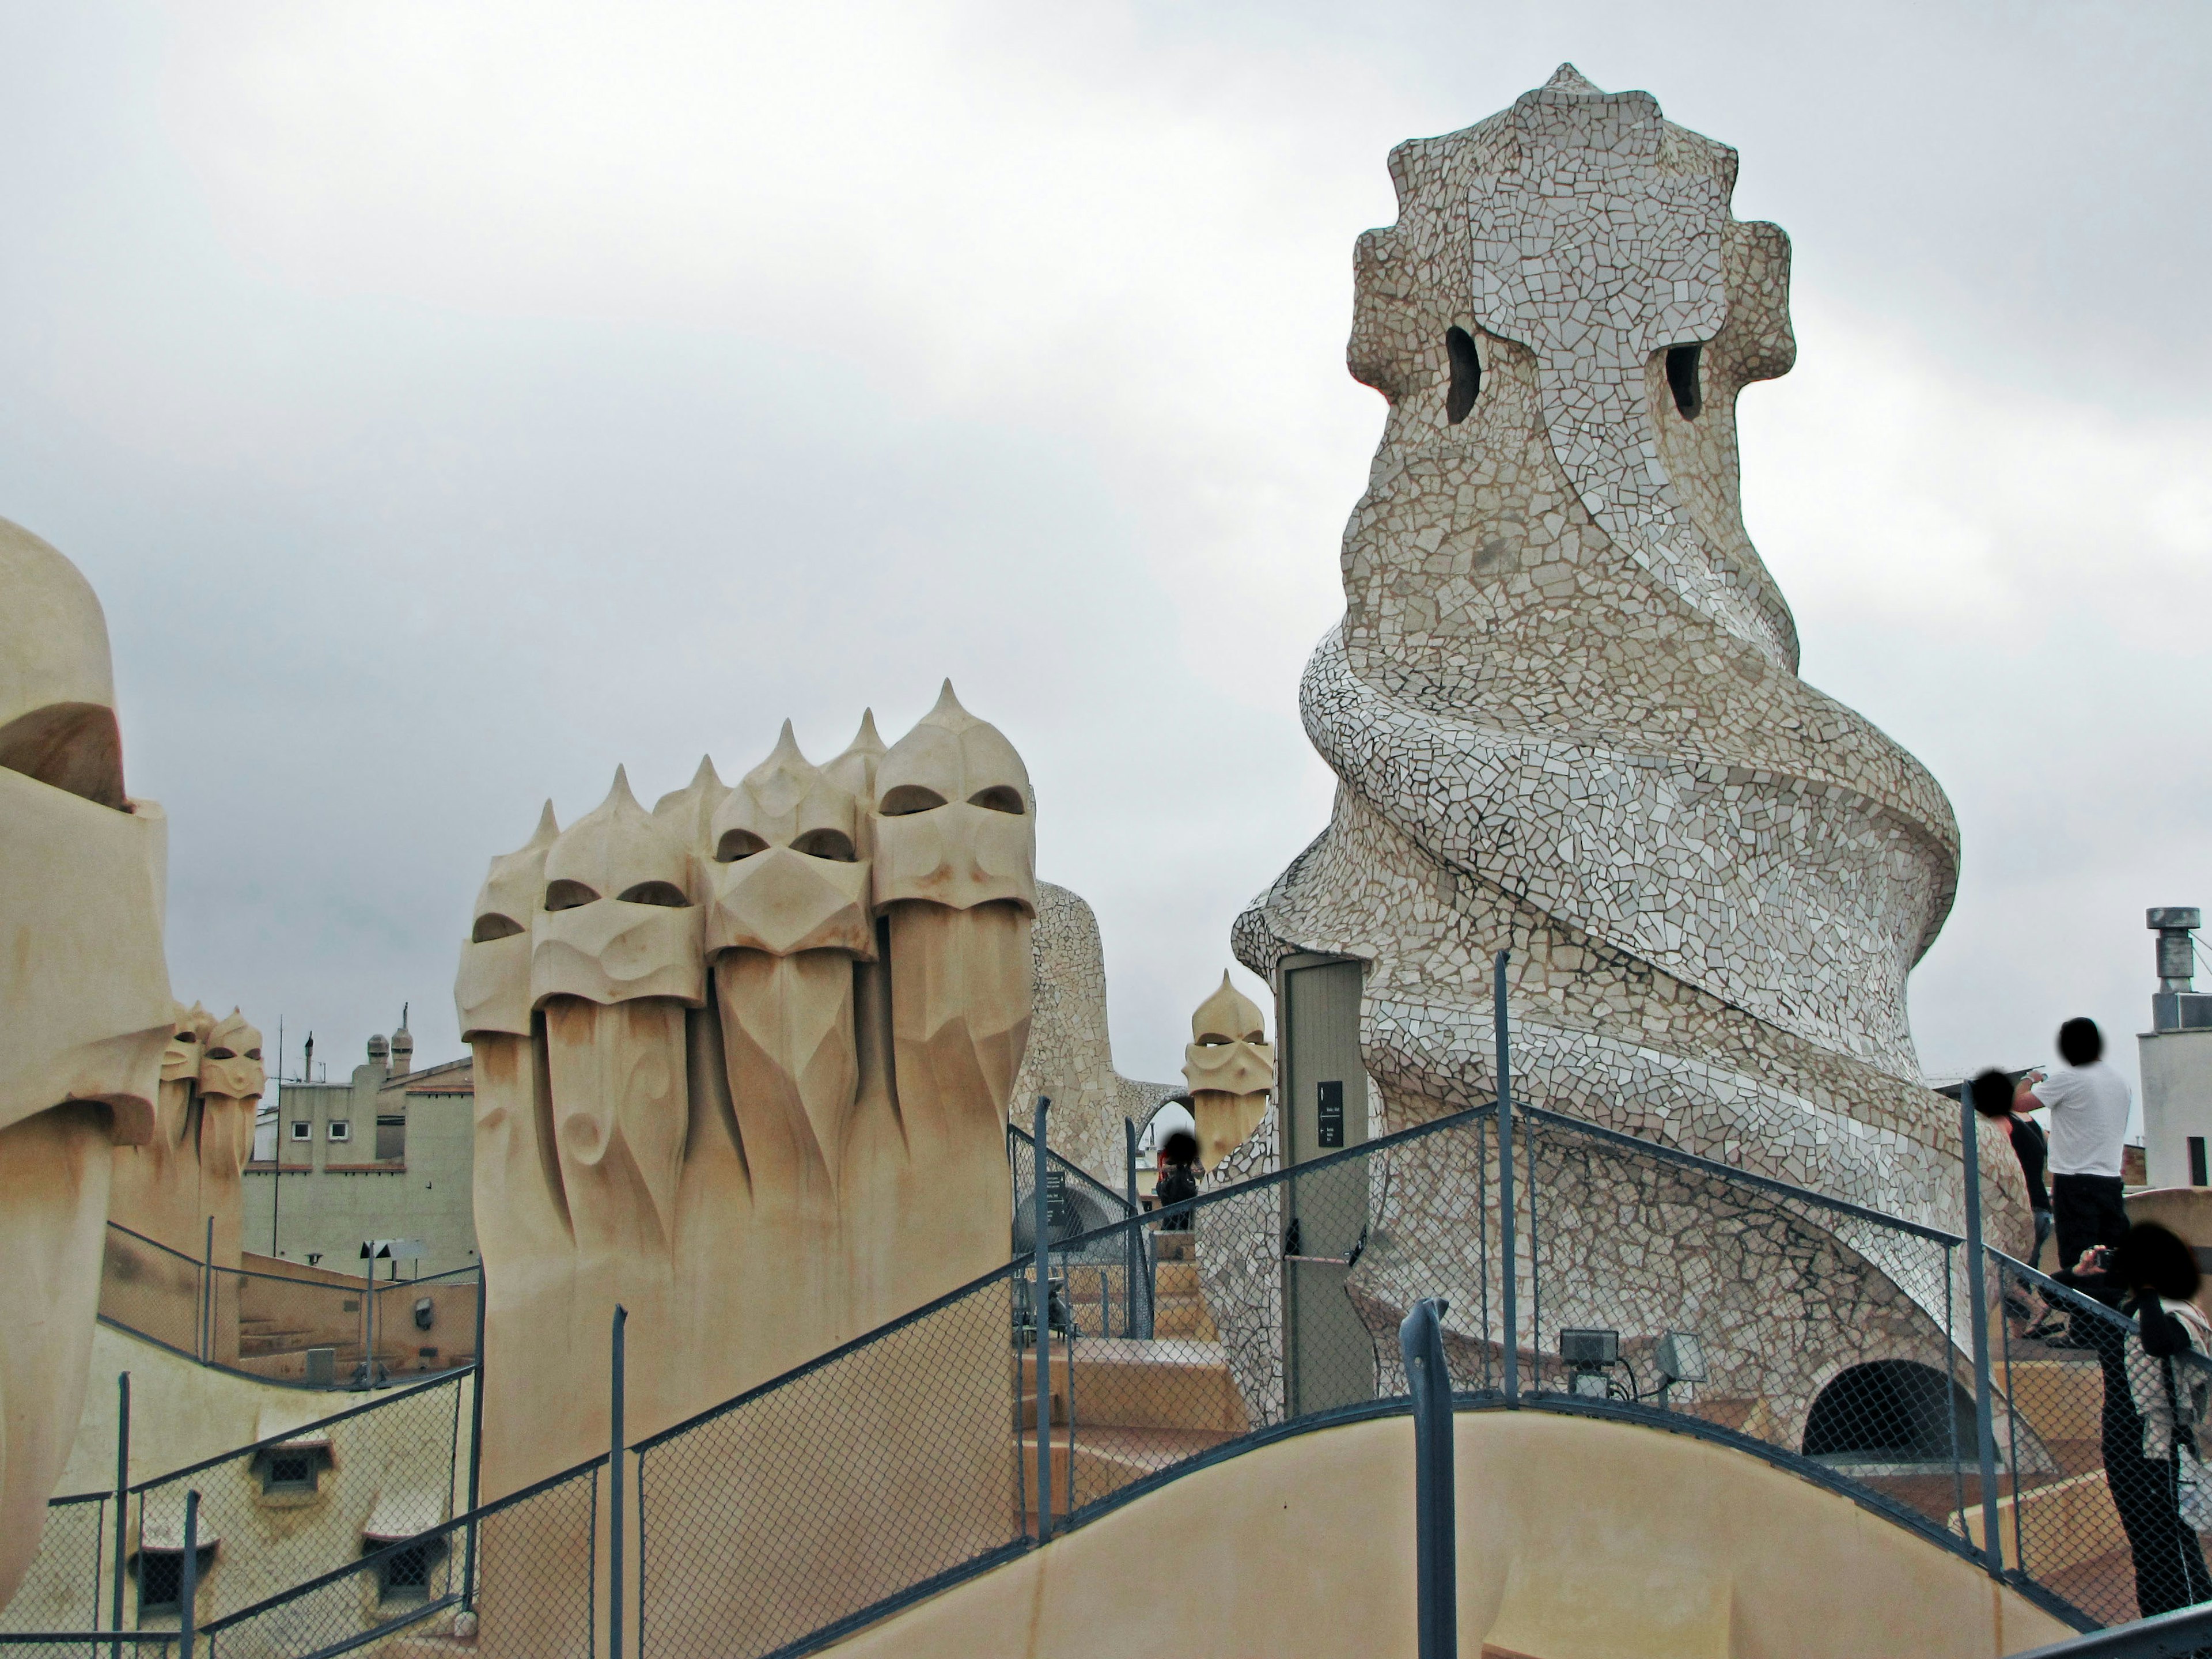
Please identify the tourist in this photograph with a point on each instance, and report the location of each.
(2157, 1273)
(1178, 1176)
(1997, 1098)
(1993, 1095)
(2088, 1103)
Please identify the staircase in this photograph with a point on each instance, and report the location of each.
(1124, 1407)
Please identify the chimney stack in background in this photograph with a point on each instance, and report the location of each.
(403, 1046)
(2177, 1058)
(2175, 1006)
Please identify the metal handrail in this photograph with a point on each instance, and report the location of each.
(2167, 1637)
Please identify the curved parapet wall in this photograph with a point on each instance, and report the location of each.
(1670, 1545)
(1563, 703)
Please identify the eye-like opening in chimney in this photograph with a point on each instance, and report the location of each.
(738, 844)
(1682, 380)
(568, 895)
(491, 926)
(999, 797)
(834, 844)
(1466, 374)
(909, 798)
(666, 893)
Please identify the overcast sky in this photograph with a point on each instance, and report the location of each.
(451, 402)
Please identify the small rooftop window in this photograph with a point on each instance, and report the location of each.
(341, 1129)
(160, 1574)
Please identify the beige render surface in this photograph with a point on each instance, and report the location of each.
(1672, 1548)
(1229, 1067)
(187, 1176)
(84, 1001)
(741, 1065)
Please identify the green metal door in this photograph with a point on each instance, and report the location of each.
(1329, 1357)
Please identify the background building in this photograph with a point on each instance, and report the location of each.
(389, 1153)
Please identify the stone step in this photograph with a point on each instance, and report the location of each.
(1124, 1382)
(2063, 1524)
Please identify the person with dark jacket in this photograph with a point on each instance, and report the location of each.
(1178, 1177)
(2142, 1432)
(1994, 1095)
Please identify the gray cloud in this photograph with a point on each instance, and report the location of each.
(448, 407)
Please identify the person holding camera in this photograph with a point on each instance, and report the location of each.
(2088, 1102)
(2154, 1400)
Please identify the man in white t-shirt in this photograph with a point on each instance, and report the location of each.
(2088, 1103)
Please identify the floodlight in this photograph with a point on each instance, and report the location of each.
(1681, 1358)
(1589, 1357)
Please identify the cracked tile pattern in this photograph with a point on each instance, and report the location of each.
(1070, 1056)
(1563, 705)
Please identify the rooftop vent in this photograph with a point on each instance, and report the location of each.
(2175, 1006)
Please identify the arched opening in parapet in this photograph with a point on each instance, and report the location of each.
(1682, 380)
(1890, 1411)
(1466, 374)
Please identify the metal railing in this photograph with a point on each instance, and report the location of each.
(1562, 1267)
(270, 1515)
(308, 1328)
(2184, 1634)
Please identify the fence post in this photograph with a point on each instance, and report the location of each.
(615, 1492)
(207, 1291)
(122, 1495)
(476, 1447)
(1132, 1242)
(1978, 1311)
(1511, 1310)
(188, 1575)
(1040, 1321)
(1436, 1552)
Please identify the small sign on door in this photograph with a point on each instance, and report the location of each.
(1055, 1200)
(1331, 1115)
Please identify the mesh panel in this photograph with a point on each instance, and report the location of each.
(1812, 1328)
(537, 1561)
(888, 1462)
(1645, 1283)
(2074, 1482)
(62, 1588)
(287, 1511)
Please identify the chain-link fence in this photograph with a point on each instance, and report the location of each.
(2090, 1506)
(1811, 1326)
(271, 1515)
(1623, 1278)
(306, 1326)
(1630, 1279)
(517, 1579)
(65, 1586)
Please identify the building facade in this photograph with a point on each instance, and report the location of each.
(388, 1153)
